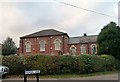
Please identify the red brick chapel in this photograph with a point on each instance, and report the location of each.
(54, 42)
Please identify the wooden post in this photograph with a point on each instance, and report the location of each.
(25, 77)
(31, 72)
(37, 77)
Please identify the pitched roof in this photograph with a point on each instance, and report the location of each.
(46, 32)
(83, 39)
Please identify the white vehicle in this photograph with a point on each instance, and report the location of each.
(3, 71)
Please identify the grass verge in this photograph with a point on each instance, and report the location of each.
(66, 75)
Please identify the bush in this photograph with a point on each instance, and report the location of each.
(15, 66)
(109, 62)
(60, 64)
(47, 64)
(66, 64)
(79, 65)
(90, 63)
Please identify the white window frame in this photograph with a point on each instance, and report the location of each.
(74, 51)
(57, 45)
(83, 49)
(42, 44)
(28, 46)
(93, 45)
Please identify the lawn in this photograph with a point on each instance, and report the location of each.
(66, 75)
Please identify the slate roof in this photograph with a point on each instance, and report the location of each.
(83, 39)
(47, 32)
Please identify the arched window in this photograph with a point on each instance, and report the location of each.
(93, 49)
(28, 46)
(83, 49)
(73, 50)
(42, 45)
(57, 44)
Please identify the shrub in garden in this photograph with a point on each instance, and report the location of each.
(47, 64)
(60, 64)
(66, 64)
(79, 65)
(15, 66)
(92, 63)
(109, 62)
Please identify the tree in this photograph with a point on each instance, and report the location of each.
(8, 47)
(109, 40)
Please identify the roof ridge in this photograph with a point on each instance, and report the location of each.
(83, 36)
(45, 32)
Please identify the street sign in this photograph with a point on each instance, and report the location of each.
(32, 72)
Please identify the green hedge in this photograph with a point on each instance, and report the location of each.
(60, 64)
(109, 63)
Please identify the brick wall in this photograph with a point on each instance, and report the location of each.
(78, 49)
(49, 47)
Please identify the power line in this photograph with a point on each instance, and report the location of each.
(87, 9)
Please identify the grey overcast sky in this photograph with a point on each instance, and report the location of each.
(27, 16)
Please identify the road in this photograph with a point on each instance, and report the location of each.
(100, 78)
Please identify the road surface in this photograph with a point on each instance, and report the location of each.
(100, 78)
